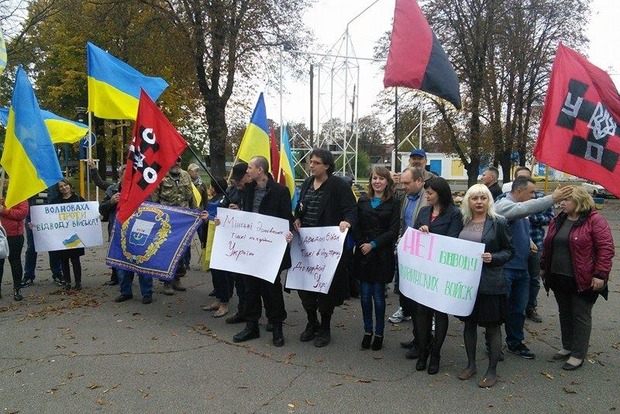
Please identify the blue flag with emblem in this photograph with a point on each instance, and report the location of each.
(153, 240)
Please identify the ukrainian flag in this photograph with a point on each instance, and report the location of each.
(287, 165)
(62, 130)
(114, 86)
(3, 56)
(73, 241)
(255, 139)
(29, 156)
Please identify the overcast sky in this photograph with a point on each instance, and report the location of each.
(329, 18)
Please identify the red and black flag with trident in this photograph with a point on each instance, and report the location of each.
(416, 59)
(579, 131)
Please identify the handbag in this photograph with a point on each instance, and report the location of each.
(4, 244)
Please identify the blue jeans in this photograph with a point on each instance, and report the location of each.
(517, 288)
(125, 279)
(369, 292)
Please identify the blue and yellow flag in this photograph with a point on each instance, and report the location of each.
(62, 130)
(29, 156)
(3, 55)
(114, 86)
(255, 139)
(73, 241)
(287, 166)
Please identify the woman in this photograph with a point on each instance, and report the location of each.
(483, 225)
(376, 233)
(12, 219)
(439, 216)
(575, 264)
(221, 284)
(69, 256)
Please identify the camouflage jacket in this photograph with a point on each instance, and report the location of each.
(175, 192)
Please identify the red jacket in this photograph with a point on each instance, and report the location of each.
(591, 246)
(12, 219)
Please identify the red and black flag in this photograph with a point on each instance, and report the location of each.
(579, 131)
(155, 147)
(416, 59)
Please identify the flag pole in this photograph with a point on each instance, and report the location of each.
(204, 167)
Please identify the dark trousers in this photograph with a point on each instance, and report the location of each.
(237, 281)
(575, 321)
(533, 268)
(221, 285)
(313, 301)
(68, 260)
(16, 244)
(272, 296)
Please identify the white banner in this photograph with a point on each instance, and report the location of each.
(440, 272)
(249, 243)
(315, 253)
(66, 226)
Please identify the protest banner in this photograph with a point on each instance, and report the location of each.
(440, 272)
(66, 226)
(153, 240)
(315, 253)
(249, 243)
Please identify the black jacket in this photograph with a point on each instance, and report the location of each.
(497, 241)
(276, 203)
(449, 223)
(380, 225)
(337, 204)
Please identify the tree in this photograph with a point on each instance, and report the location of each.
(228, 40)
(502, 51)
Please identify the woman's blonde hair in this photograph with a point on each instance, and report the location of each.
(583, 200)
(474, 190)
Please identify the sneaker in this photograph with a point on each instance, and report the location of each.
(27, 282)
(522, 351)
(532, 315)
(399, 316)
(58, 280)
(146, 299)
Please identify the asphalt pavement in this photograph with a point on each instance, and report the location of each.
(82, 352)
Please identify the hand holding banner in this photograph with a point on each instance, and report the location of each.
(249, 243)
(440, 272)
(315, 254)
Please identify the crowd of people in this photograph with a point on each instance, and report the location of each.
(573, 259)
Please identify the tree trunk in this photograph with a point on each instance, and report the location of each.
(218, 132)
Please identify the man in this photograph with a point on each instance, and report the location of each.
(175, 190)
(325, 200)
(412, 180)
(537, 235)
(235, 192)
(516, 206)
(264, 196)
(417, 159)
(201, 188)
(489, 178)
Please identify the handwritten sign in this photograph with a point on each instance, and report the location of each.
(249, 243)
(66, 226)
(315, 253)
(440, 272)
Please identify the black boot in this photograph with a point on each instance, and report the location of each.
(278, 336)
(312, 328)
(251, 331)
(421, 364)
(324, 336)
(16, 295)
(433, 364)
